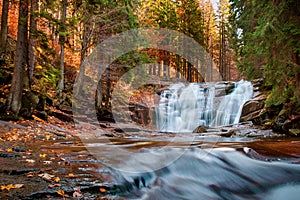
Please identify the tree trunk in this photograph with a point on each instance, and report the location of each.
(32, 39)
(62, 48)
(4, 26)
(15, 96)
(83, 55)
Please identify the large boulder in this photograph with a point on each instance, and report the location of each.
(252, 106)
(253, 110)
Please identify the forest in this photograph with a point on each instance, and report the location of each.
(44, 43)
(46, 47)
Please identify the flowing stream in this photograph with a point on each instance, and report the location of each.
(153, 165)
(207, 168)
(222, 173)
(183, 108)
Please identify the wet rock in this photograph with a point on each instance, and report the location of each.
(131, 129)
(9, 155)
(224, 88)
(118, 130)
(19, 171)
(200, 129)
(248, 133)
(259, 96)
(257, 84)
(253, 116)
(252, 106)
(19, 149)
(228, 133)
(102, 125)
(253, 110)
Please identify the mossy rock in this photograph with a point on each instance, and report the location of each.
(29, 104)
(267, 124)
(294, 132)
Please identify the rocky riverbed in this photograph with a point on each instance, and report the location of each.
(41, 160)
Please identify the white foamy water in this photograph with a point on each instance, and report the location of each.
(183, 108)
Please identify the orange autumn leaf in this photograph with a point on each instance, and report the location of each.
(71, 175)
(37, 118)
(43, 155)
(7, 187)
(47, 137)
(57, 179)
(102, 190)
(11, 186)
(9, 150)
(62, 193)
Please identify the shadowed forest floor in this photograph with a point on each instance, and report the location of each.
(47, 161)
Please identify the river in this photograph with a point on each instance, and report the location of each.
(200, 167)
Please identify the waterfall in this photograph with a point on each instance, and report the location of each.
(184, 107)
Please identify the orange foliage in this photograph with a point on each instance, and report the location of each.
(12, 18)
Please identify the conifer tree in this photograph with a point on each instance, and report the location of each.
(267, 43)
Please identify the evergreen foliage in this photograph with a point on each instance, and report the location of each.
(266, 38)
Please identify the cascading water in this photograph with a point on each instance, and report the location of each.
(183, 108)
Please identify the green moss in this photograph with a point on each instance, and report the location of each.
(294, 132)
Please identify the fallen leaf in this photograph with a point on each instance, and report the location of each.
(103, 190)
(18, 185)
(9, 150)
(30, 160)
(43, 155)
(57, 179)
(47, 137)
(54, 185)
(46, 176)
(7, 187)
(37, 118)
(71, 175)
(77, 194)
(30, 174)
(62, 193)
